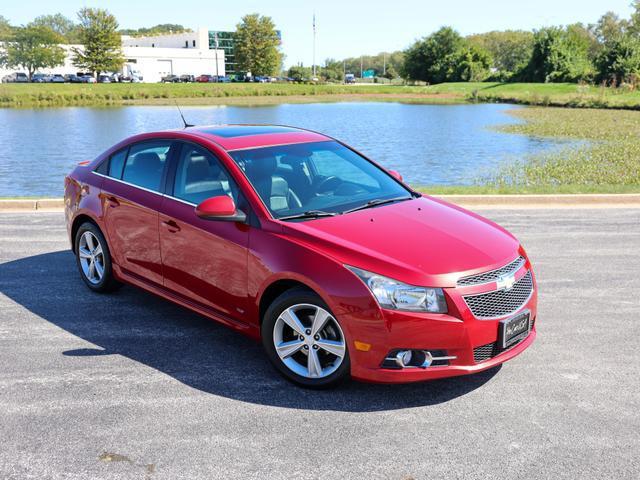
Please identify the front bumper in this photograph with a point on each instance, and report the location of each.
(457, 333)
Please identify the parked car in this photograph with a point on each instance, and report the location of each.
(349, 78)
(17, 77)
(72, 78)
(295, 239)
(38, 78)
(104, 78)
(88, 79)
(224, 79)
(57, 78)
(170, 79)
(187, 78)
(204, 78)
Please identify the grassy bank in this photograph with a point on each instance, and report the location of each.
(608, 160)
(53, 95)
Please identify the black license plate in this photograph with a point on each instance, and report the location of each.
(514, 329)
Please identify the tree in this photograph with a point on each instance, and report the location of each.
(609, 27)
(160, 29)
(6, 30)
(332, 70)
(510, 49)
(98, 32)
(558, 56)
(257, 45)
(59, 24)
(620, 61)
(299, 73)
(33, 48)
(444, 56)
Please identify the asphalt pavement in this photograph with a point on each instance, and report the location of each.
(131, 386)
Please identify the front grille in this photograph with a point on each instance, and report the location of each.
(500, 303)
(490, 350)
(485, 352)
(493, 275)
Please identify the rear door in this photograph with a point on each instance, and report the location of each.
(203, 260)
(132, 193)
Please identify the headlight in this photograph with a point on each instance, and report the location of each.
(401, 296)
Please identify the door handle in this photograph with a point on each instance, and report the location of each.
(172, 226)
(113, 201)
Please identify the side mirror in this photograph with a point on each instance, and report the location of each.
(220, 208)
(396, 175)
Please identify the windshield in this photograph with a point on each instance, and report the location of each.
(315, 177)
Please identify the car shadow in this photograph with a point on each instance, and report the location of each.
(190, 348)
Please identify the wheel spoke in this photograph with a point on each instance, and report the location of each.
(331, 346)
(92, 269)
(84, 253)
(313, 364)
(286, 349)
(319, 320)
(290, 318)
(89, 239)
(98, 250)
(98, 268)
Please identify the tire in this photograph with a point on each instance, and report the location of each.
(313, 355)
(91, 247)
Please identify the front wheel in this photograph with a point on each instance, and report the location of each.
(305, 341)
(94, 259)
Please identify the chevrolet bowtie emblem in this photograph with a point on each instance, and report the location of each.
(505, 282)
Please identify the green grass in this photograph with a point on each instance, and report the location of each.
(562, 94)
(525, 190)
(610, 155)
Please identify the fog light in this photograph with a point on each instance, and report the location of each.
(428, 360)
(403, 358)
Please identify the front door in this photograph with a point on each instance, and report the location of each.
(203, 260)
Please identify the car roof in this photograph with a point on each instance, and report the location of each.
(246, 136)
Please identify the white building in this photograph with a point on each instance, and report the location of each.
(154, 57)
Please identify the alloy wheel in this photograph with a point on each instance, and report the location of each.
(309, 341)
(91, 257)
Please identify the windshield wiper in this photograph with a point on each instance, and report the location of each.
(375, 203)
(309, 214)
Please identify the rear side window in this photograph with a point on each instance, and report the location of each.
(145, 164)
(116, 162)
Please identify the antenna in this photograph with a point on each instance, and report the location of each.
(182, 116)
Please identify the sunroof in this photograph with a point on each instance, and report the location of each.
(246, 130)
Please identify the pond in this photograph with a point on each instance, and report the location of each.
(427, 144)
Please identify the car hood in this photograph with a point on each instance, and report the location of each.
(424, 241)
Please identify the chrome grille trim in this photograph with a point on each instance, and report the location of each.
(500, 303)
(492, 275)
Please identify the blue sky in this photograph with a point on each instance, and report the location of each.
(344, 27)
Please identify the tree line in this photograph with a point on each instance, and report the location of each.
(37, 45)
(607, 51)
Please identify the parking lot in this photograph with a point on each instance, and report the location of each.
(132, 386)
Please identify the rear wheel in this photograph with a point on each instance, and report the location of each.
(305, 341)
(94, 259)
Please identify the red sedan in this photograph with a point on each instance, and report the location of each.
(299, 241)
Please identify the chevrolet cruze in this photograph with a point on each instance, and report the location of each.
(299, 241)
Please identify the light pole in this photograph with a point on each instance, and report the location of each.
(314, 44)
(361, 69)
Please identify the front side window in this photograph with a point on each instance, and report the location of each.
(199, 175)
(319, 176)
(145, 164)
